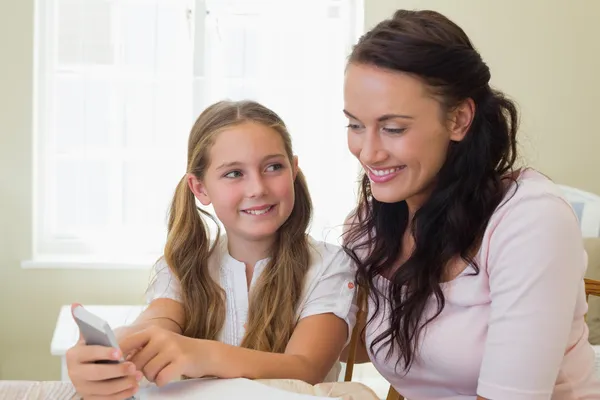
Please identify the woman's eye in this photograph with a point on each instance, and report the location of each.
(353, 127)
(394, 130)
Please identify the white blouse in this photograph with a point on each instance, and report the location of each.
(328, 288)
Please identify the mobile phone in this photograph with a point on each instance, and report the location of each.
(95, 331)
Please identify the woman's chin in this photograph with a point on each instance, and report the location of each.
(388, 196)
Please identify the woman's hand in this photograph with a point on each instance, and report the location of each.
(164, 356)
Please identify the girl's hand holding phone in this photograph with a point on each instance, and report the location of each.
(99, 372)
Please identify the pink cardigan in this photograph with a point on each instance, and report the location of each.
(516, 330)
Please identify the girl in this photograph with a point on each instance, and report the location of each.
(474, 269)
(254, 302)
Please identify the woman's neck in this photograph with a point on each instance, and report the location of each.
(415, 202)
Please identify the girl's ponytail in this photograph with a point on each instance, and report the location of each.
(186, 252)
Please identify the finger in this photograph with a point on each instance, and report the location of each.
(168, 374)
(118, 389)
(156, 365)
(74, 354)
(84, 354)
(136, 340)
(131, 354)
(73, 307)
(143, 357)
(103, 372)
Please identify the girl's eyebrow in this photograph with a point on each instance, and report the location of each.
(231, 164)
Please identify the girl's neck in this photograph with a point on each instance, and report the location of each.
(249, 251)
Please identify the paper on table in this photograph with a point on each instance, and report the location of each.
(219, 389)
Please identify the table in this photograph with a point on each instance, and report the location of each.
(60, 390)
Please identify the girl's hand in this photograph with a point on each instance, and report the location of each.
(164, 356)
(101, 381)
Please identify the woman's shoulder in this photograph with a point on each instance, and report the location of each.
(533, 203)
(533, 192)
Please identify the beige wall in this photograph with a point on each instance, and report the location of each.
(553, 82)
(30, 299)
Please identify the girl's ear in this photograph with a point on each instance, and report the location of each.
(295, 166)
(197, 187)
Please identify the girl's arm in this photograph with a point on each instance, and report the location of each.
(312, 351)
(308, 356)
(361, 355)
(325, 322)
(164, 313)
(164, 310)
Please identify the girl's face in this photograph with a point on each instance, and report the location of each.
(249, 182)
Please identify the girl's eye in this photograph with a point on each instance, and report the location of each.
(233, 174)
(274, 167)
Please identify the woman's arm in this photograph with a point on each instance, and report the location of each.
(535, 264)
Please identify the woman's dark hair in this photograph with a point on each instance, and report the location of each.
(469, 187)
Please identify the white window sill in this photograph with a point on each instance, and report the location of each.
(87, 264)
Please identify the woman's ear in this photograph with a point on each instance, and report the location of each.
(199, 189)
(461, 119)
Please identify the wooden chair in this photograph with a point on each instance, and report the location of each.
(592, 288)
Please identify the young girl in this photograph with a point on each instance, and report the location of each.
(474, 268)
(263, 301)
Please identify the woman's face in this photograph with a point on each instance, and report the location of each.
(398, 131)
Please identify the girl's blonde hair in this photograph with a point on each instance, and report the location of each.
(272, 312)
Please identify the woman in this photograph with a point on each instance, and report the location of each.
(474, 268)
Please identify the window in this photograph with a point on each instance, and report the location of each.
(119, 84)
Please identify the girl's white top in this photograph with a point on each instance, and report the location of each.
(329, 287)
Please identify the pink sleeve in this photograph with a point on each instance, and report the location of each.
(536, 264)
